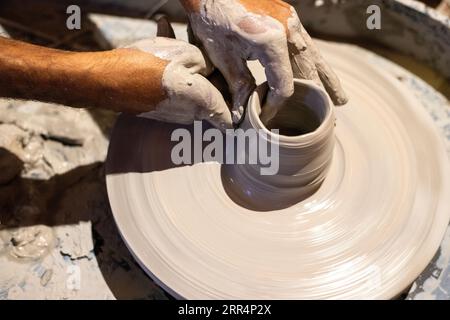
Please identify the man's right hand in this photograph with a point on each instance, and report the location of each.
(234, 31)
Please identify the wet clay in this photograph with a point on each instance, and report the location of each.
(305, 154)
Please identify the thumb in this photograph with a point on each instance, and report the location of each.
(236, 73)
(210, 103)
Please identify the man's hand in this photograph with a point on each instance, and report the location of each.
(188, 95)
(162, 78)
(234, 31)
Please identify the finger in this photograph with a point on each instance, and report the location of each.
(217, 79)
(280, 78)
(210, 104)
(194, 41)
(302, 60)
(310, 64)
(237, 75)
(329, 79)
(164, 28)
(304, 66)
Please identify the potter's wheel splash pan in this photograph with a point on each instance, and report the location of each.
(368, 232)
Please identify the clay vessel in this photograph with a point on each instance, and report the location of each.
(305, 144)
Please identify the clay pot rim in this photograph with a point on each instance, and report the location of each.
(323, 131)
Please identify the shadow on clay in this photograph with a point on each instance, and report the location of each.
(44, 196)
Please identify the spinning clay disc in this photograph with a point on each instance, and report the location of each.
(369, 230)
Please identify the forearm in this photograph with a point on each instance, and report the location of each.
(114, 79)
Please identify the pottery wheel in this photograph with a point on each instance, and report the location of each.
(368, 232)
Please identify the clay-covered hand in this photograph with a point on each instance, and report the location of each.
(234, 31)
(184, 93)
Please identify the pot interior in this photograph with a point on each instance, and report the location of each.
(301, 114)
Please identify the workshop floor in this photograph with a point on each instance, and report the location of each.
(52, 174)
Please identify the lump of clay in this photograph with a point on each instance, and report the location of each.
(30, 243)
